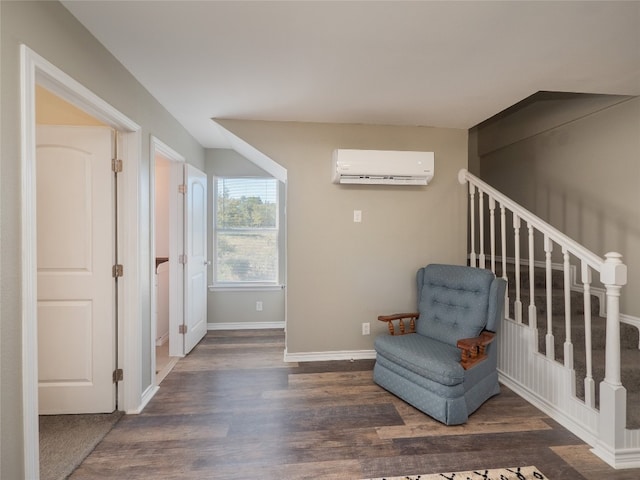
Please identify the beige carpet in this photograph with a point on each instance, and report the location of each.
(66, 440)
(515, 473)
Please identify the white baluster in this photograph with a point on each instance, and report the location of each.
(517, 304)
(613, 396)
(533, 314)
(614, 276)
(568, 346)
(589, 384)
(492, 223)
(548, 248)
(481, 256)
(611, 436)
(503, 241)
(472, 211)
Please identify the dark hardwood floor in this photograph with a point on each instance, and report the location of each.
(233, 409)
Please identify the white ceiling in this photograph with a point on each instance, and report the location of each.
(432, 63)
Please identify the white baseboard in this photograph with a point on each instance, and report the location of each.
(162, 340)
(146, 398)
(631, 320)
(162, 374)
(629, 458)
(245, 326)
(328, 356)
(546, 407)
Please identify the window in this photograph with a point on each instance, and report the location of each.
(246, 231)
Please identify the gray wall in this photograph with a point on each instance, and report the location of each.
(239, 305)
(52, 32)
(340, 273)
(575, 162)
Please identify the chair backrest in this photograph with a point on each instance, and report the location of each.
(457, 302)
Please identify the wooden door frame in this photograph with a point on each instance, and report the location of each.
(37, 70)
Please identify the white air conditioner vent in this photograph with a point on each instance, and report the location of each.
(382, 167)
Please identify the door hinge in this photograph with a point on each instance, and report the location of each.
(117, 271)
(182, 329)
(182, 259)
(182, 188)
(118, 375)
(116, 165)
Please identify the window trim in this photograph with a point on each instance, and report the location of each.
(245, 285)
(229, 287)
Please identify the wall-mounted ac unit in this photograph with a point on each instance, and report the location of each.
(382, 167)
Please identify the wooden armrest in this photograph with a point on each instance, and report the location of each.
(474, 349)
(401, 326)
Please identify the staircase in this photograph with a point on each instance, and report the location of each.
(629, 335)
(563, 344)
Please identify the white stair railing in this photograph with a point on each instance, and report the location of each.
(546, 382)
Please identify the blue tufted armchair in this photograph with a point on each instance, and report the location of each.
(444, 361)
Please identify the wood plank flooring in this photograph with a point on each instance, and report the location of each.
(233, 409)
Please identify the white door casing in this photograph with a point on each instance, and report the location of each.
(195, 249)
(176, 249)
(75, 251)
(36, 69)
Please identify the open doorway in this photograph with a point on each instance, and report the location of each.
(167, 219)
(38, 71)
(162, 307)
(76, 247)
(76, 241)
(178, 256)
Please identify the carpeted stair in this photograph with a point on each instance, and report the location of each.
(629, 335)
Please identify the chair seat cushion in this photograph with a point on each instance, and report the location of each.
(424, 356)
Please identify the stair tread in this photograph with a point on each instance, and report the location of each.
(629, 335)
(629, 353)
(629, 358)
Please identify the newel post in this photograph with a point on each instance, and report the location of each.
(613, 396)
(462, 179)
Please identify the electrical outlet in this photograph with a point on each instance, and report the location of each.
(357, 216)
(258, 306)
(366, 328)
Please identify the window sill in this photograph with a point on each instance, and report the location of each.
(245, 288)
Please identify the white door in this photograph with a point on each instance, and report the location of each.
(75, 237)
(195, 248)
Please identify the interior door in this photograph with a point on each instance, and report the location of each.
(75, 238)
(195, 247)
